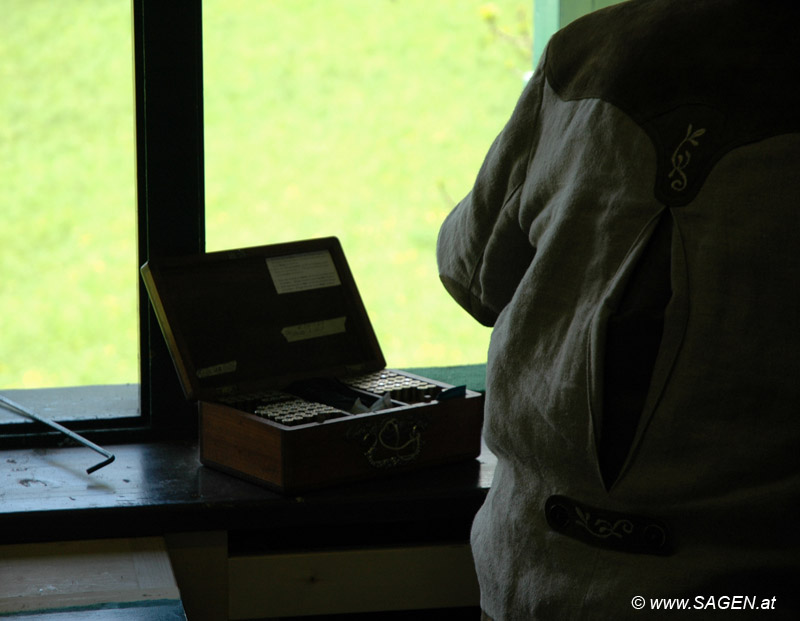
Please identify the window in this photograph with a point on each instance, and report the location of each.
(169, 174)
(68, 292)
(167, 188)
(366, 120)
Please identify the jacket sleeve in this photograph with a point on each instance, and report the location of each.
(482, 251)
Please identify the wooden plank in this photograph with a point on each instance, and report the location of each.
(200, 563)
(84, 573)
(165, 610)
(350, 581)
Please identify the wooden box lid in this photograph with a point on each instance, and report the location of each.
(240, 321)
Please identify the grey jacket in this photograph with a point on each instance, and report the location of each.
(634, 238)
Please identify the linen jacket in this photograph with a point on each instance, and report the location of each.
(684, 112)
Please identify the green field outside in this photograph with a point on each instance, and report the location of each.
(68, 311)
(365, 119)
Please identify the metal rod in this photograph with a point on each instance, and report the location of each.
(22, 411)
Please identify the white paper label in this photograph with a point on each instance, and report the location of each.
(303, 272)
(217, 369)
(313, 330)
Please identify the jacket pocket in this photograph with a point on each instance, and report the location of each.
(626, 341)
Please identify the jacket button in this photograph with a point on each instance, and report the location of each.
(557, 516)
(655, 536)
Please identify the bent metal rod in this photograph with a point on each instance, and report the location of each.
(18, 409)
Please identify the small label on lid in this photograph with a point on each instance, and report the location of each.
(303, 272)
(217, 369)
(315, 329)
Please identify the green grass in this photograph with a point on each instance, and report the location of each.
(364, 119)
(67, 245)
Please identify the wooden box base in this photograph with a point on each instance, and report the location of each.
(352, 447)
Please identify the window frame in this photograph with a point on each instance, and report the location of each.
(168, 61)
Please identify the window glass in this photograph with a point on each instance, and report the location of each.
(367, 120)
(68, 291)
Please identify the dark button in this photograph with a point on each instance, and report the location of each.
(655, 536)
(557, 516)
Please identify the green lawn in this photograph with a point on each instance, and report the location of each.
(67, 245)
(365, 119)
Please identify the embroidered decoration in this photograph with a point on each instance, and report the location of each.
(681, 158)
(603, 528)
(612, 530)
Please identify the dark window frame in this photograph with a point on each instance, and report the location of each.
(168, 52)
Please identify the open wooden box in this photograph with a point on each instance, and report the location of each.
(276, 346)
